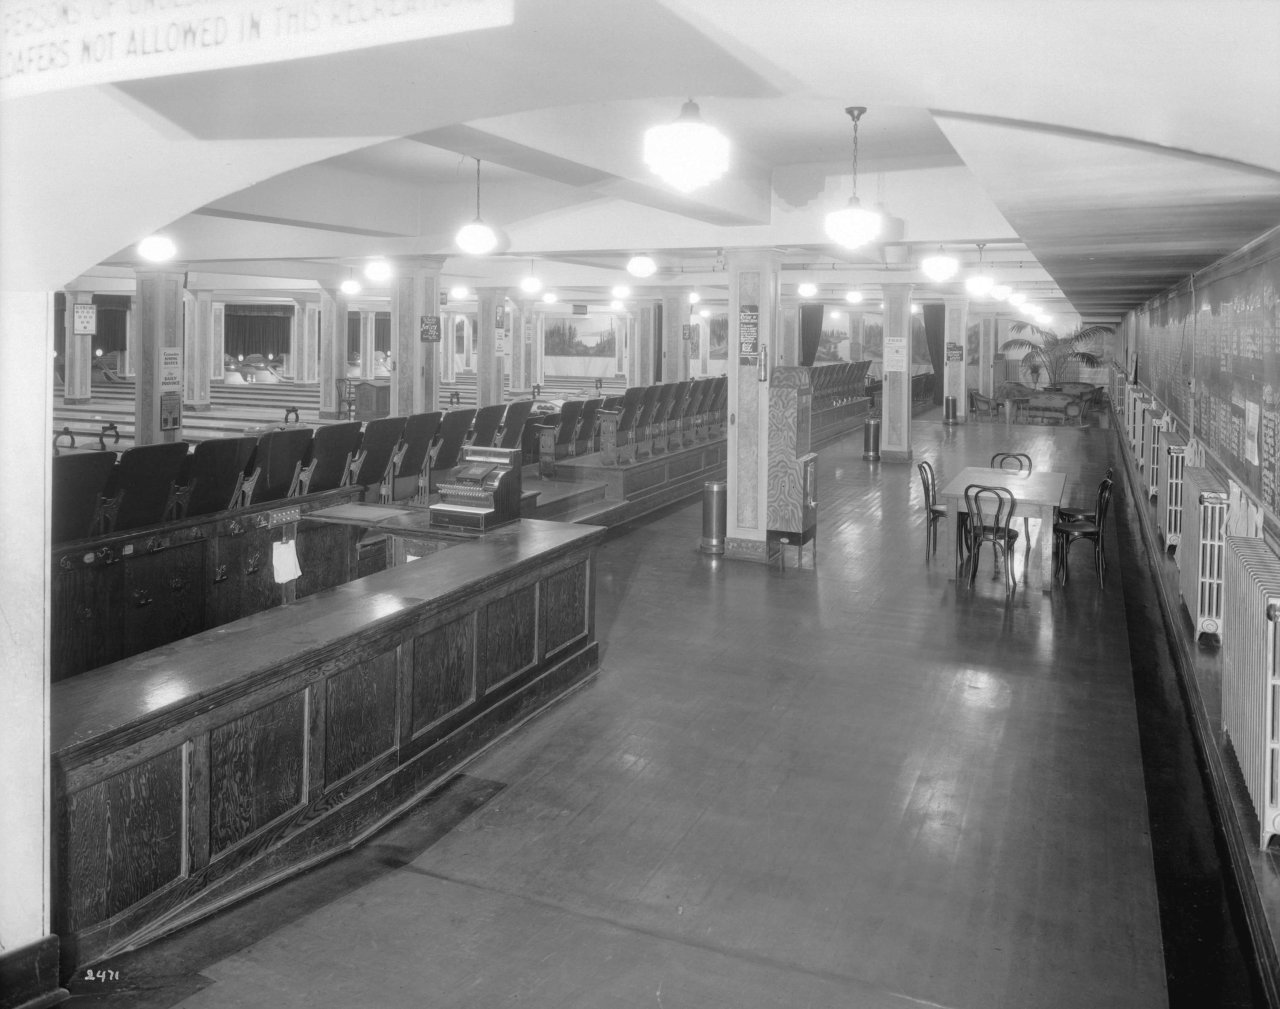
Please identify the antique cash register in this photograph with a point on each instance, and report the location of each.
(483, 492)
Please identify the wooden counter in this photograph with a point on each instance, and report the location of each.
(190, 775)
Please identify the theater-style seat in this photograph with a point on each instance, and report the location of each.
(79, 480)
(332, 449)
(214, 473)
(278, 463)
(145, 478)
(485, 426)
(584, 440)
(377, 445)
(513, 423)
(644, 420)
(410, 461)
(453, 430)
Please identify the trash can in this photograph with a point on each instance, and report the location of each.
(715, 512)
(949, 410)
(871, 440)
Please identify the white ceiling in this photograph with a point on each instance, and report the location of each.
(1100, 150)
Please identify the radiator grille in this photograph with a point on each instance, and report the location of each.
(1200, 555)
(1158, 421)
(1250, 684)
(1133, 415)
(1169, 514)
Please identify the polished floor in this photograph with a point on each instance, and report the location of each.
(854, 784)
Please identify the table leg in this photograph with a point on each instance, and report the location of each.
(1046, 548)
(953, 527)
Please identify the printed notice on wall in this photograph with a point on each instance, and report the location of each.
(955, 352)
(1251, 417)
(749, 333)
(48, 45)
(895, 353)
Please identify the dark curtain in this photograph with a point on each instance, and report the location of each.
(657, 343)
(810, 333)
(381, 333)
(256, 334)
(935, 321)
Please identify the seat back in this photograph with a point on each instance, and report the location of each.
(930, 483)
(568, 423)
(420, 430)
(453, 429)
(648, 403)
(662, 406)
(679, 399)
(513, 423)
(630, 408)
(278, 461)
(377, 444)
(697, 393)
(79, 479)
(145, 478)
(1016, 462)
(585, 439)
(990, 511)
(485, 425)
(1103, 504)
(214, 472)
(332, 449)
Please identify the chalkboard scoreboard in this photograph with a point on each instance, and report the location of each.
(1210, 352)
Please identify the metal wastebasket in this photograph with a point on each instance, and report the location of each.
(871, 440)
(949, 410)
(715, 511)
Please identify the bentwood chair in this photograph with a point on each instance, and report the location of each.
(1015, 462)
(934, 512)
(991, 511)
(1081, 514)
(980, 405)
(1066, 533)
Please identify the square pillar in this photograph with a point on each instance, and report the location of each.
(218, 342)
(675, 316)
(895, 437)
(368, 321)
(333, 350)
(126, 360)
(492, 314)
(305, 363)
(160, 320)
(77, 365)
(415, 368)
(197, 358)
(955, 343)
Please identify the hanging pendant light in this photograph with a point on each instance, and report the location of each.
(531, 284)
(476, 238)
(939, 267)
(854, 225)
(641, 266)
(980, 283)
(350, 286)
(687, 153)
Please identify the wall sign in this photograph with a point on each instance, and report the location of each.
(84, 320)
(749, 332)
(895, 353)
(429, 328)
(955, 352)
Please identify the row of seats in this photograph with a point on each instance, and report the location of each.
(838, 384)
(645, 419)
(97, 492)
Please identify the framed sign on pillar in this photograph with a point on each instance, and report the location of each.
(895, 442)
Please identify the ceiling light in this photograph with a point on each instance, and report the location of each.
(1017, 298)
(1028, 308)
(807, 290)
(157, 249)
(915, 309)
(940, 267)
(550, 298)
(694, 297)
(1001, 291)
(476, 238)
(687, 153)
(705, 313)
(853, 225)
(837, 315)
(350, 286)
(378, 271)
(641, 266)
(459, 293)
(621, 291)
(531, 284)
(980, 284)
(853, 297)
(617, 305)
(1044, 320)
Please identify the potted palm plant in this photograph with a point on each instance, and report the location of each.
(1051, 354)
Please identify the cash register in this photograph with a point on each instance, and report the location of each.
(481, 493)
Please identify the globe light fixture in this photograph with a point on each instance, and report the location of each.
(157, 249)
(621, 291)
(807, 290)
(459, 293)
(915, 309)
(837, 315)
(641, 266)
(853, 297)
(704, 313)
(350, 286)
(377, 271)
(550, 298)
(694, 297)
(531, 284)
(1001, 291)
(940, 267)
(1043, 319)
(854, 225)
(476, 238)
(980, 284)
(687, 153)
(617, 305)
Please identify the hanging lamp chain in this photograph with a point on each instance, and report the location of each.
(477, 189)
(855, 113)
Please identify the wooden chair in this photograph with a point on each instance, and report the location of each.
(1015, 462)
(1066, 533)
(980, 405)
(991, 510)
(1081, 514)
(934, 512)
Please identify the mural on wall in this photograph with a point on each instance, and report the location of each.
(834, 343)
(580, 336)
(1211, 354)
(718, 329)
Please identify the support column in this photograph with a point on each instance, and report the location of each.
(895, 437)
(415, 369)
(987, 355)
(197, 354)
(539, 348)
(704, 344)
(160, 308)
(675, 316)
(490, 312)
(77, 364)
(642, 351)
(333, 350)
(126, 359)
(955, 344)
(289, 366)
(449, 348)
(218, 342)
(520, 314)
(368, 349)
(755, 323)
(623, 347)
(789, 343)
(306, 365)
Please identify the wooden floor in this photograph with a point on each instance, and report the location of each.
(855, 785)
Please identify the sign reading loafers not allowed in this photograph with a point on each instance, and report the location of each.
(50, 45)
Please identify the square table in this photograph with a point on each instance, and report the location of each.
(1038, 494)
